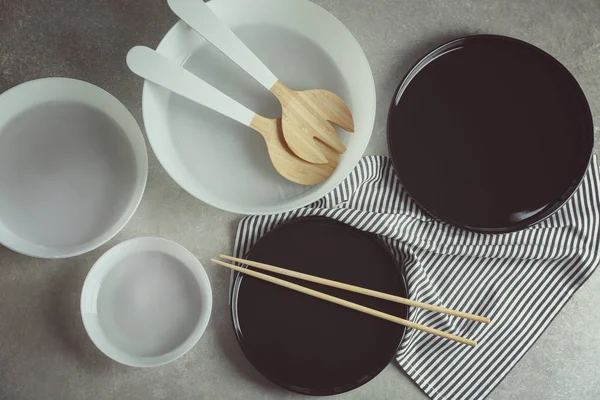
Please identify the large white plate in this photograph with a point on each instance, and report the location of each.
(226, 164)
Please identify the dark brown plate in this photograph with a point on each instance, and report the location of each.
(305, 344)
(490, 134)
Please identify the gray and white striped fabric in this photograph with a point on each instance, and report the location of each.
(520, 280)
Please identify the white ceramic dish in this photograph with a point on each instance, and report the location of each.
(73, 167)
(226, 164)
(146, 302)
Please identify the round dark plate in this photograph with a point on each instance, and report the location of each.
(490, 134)
(308, 345)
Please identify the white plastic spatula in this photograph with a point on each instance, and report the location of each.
(305, 114)
(162, 71)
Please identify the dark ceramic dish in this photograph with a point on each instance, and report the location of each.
(305, 344)
(490, 134)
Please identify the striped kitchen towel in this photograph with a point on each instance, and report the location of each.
(520, 280)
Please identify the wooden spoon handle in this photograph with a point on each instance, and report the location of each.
(200, 18)
(157, 68)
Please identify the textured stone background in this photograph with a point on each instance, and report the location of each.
(44, 351)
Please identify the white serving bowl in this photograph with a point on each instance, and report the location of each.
(226, 164)
(73, 167)
(146, 302)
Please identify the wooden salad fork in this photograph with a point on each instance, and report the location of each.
(156, 68)
(306, 115)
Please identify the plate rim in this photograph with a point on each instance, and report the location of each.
(536, 218)
(237, 280)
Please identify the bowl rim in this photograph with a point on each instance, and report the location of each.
(320, 190)
(139, 152)
(106, 263)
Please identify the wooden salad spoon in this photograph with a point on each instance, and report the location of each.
(306, 115)
(156, 68)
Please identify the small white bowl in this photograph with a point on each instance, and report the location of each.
(146, 302)
(225, 163)
(73, 167)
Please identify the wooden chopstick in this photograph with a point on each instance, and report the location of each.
(345, 303)
(357, 289)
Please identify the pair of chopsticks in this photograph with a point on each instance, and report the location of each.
(351, 288)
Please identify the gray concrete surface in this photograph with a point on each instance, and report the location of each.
(44, 351)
